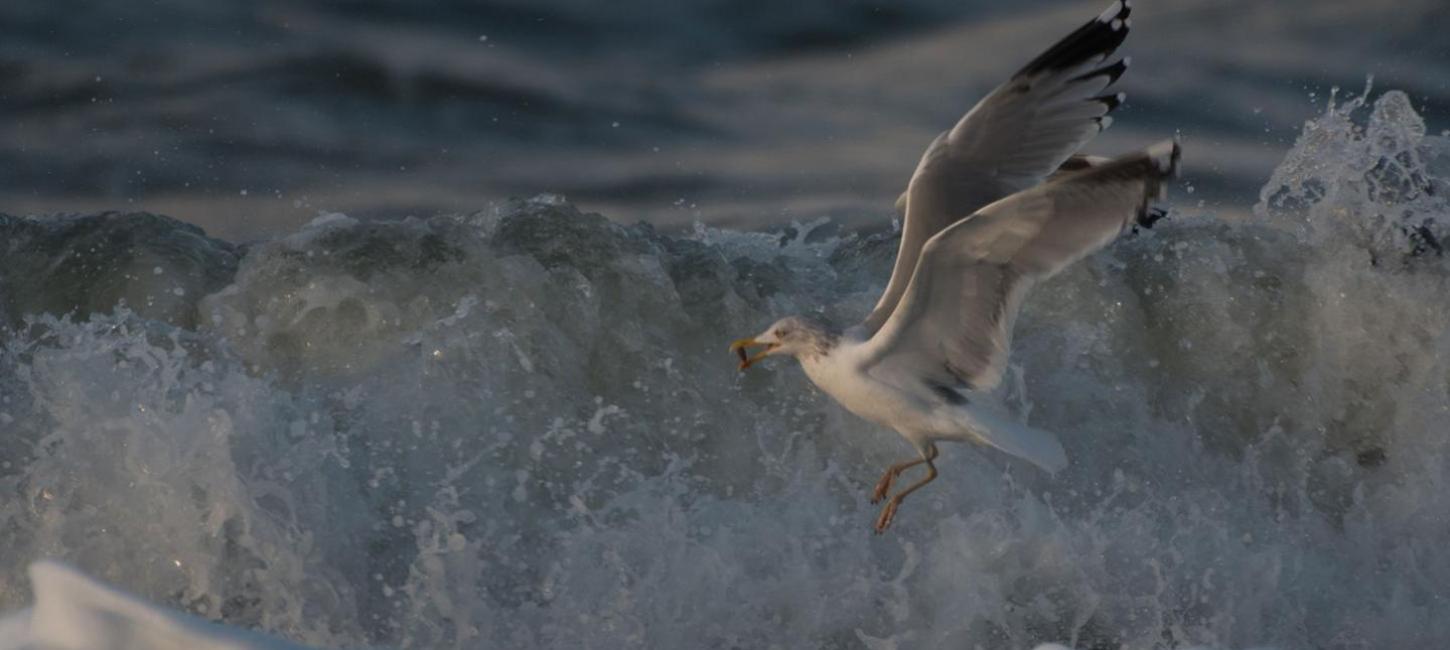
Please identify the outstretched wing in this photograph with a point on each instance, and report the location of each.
(1011, 140)
(954, 324)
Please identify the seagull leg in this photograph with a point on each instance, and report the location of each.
(883, 486)
(889, 512)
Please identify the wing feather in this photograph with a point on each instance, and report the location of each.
(954, 324)
(1010, 140)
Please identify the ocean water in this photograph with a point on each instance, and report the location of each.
(249, 118)
(520, 428)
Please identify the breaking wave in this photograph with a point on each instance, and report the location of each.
(520, 428)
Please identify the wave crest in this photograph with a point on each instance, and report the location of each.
(521, 427)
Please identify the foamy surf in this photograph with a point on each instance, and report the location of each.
(517, 429)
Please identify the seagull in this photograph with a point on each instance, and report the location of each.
(998, 203)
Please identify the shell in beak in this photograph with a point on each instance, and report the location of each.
(742, 349)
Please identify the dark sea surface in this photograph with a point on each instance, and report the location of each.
(251, 118)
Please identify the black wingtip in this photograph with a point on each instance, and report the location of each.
(1116, 11)
(1112, 72)
(1111, 101)
(1149, 216)
(1098, 38)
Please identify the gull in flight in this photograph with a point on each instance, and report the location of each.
(997, 203)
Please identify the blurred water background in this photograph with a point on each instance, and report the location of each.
(250, 118)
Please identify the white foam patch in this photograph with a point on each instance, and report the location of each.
(348, 452)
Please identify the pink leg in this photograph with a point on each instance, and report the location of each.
(889, 512)
(883, 486)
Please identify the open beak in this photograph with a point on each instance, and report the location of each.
(742, 349)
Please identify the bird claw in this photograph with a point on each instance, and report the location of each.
(887, 514)
(883, 486)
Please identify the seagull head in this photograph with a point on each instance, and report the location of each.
(793, 335)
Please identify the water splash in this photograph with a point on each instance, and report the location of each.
(520, 428)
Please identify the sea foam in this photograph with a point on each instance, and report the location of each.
(521, 428)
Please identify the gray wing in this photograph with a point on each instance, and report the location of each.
(954, 324)
(1075, 163)
(1011, 140)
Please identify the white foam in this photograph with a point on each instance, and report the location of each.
(353, 454)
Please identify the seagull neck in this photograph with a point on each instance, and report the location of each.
(821, 344)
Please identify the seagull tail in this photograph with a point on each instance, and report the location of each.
(1036, 446)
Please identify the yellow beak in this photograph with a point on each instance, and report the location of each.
(741, 348)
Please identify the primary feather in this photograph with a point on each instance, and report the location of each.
(953, 325)
(1011, 140)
